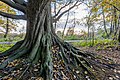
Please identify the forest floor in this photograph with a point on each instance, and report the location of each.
(59, 68)
(111, 52)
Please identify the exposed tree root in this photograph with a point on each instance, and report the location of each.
(79, 65)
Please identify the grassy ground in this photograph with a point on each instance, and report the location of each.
(4, 47)
(106, 48)
(105, 42)
(8, 39)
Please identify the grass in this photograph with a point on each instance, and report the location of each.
(10, 39)
(99, 43)
(73, 37)
(4, 47)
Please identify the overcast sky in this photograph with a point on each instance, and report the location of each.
(80, 13)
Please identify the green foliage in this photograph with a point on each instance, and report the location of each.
(105, 42)
(82, 44)
(98, 43)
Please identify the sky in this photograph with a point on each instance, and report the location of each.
(80, 12)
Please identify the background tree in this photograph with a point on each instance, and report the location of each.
(109, 11)
(7, 24)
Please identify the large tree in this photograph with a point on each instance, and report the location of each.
(41, 45)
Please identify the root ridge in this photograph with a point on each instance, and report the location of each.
(63, 62)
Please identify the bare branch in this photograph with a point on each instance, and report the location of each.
(21, 2)
(14, 5)
(62, 8)
(23, 17)
(59, 16)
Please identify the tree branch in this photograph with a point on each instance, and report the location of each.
(62, 8)
(15, 5)
(113, 6)
(59, 16)
(23, 17)
(21, 2)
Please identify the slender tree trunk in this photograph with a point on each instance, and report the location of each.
(111, 27)
(55, 14)
(116, 24)
(88, 24)
(74, 24)
(119, 28)
(7, 28)
(65, 26)
(119, 36)
(7, 25)
(104, 22)
(92, 36)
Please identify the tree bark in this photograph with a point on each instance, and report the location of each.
(104, 22)
(7, 25)
(65, 25)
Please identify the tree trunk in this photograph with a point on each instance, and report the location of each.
(65, 25)
(41, 45)
(119, 36)
(119, 28)
(104, 22)
(7, 25)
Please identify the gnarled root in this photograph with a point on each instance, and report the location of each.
(60, 60)
(84, 65)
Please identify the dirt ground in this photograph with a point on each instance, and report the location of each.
(112, 53)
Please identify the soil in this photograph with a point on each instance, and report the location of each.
(109, 52)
